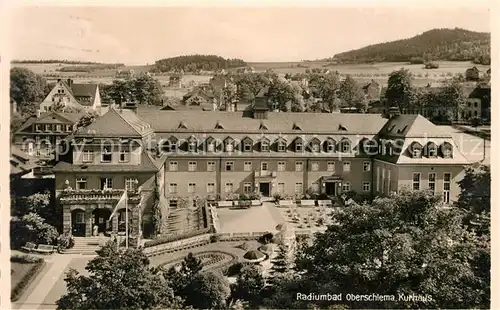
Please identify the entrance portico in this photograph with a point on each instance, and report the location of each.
(331, 185)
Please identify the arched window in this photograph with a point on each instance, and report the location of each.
(431, 149)
(416, 150)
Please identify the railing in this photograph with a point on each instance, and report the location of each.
(95, 195)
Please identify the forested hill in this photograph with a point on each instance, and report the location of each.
(193, 63)
(437, 44)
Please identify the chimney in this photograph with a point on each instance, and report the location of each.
(70, 83)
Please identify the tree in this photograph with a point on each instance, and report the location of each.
(87, 119)
(452, 96)
(351, 94)
(475, 193)
(281, 93)
(229, 94)
(400, 92)
(61, 107)
(26, 87)
(249, 85)
(117, 280)
(404, 244)
(208, 291)
(31, 227)
(146, 90)
(281, 264)
(179, 278)
(249, 286)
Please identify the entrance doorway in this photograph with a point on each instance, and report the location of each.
(264, 188)
(330, 188)
(100, 219)
(78, 223)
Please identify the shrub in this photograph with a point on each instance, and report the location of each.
(254, 196)
(25, 259)
(234, 269)
(266, 238)
(167, 239)
(278, 197)
(65, 241)
(214, 238)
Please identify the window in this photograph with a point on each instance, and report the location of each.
(38, 127)
(281, 146)
(298, 166)
(432, 181)
(106, 155)
(298, 188)
(192, 166)
(173, 166)
(247, 166)
(247, 188)
(330, 146)
(210, 146)
(172, 203)
(247, 146)
(346, 166)
(475, 106)
(346, 146)
(315, 166)
(281, 188)
(88, 156)
(191, 188)
(416, 181)
(367, 186)
(172, 188)
(330, 166)
(367, 166)
(264, 146)
(447, 152)
(446, 187)
(263, 166)
(210, 188)
(229, 165)
(229, 188)
(192, 146)
(417, 153)
(315, 147)
(68, 127)
(281, 166)
(432, 149)
(229, 146)
(210, 166)
(124, 156)
(131, 184)
(58, 127)
(80, 218)
(81, 183)
(106, 183)
(346, 186)
(299, 146)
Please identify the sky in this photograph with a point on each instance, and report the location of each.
(140, 35)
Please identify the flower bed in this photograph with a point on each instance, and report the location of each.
(209, 260)
(34, 265)
(172, 238)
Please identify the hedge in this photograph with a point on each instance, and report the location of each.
(167, 239)
(20, 288)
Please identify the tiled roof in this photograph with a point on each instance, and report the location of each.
(116, 123)
(411, 126)
(201, 121)
(50, 118)
(146, 165)
(21, 162)
(84, 90)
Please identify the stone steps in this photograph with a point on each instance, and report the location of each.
(87, 245)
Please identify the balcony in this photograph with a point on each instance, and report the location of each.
(265, 174)
(92, 196)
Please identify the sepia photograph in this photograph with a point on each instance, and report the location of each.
(249, 157)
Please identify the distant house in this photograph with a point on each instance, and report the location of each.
(175, 81)
(83, 97)
(372, 91)
(124, 74)
(198, 96)
(472, 74)
(38, 136)
(22, 165)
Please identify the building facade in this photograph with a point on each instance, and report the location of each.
(82, 97)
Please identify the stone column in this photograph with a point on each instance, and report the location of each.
(66, 219)
(88, 221)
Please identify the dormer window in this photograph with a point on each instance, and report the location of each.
(229, 144)
(262, 126)
(264, 145)
(330, 146)
(447, 150)
(299, 145)
(431, 149)
(211, 144)
(106, 155)
(315, 145)
(173, 144)
(296, 127)
(281, 145)
(182, 125)
(219, 125)
(416, 150)
(247, 145)
(345, 145)
(192, 144)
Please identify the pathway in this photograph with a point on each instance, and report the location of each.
(38, 290)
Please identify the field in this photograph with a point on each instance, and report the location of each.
(362, 72)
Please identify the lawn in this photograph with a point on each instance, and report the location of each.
(18, 271)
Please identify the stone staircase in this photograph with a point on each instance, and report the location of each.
(87, 245)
